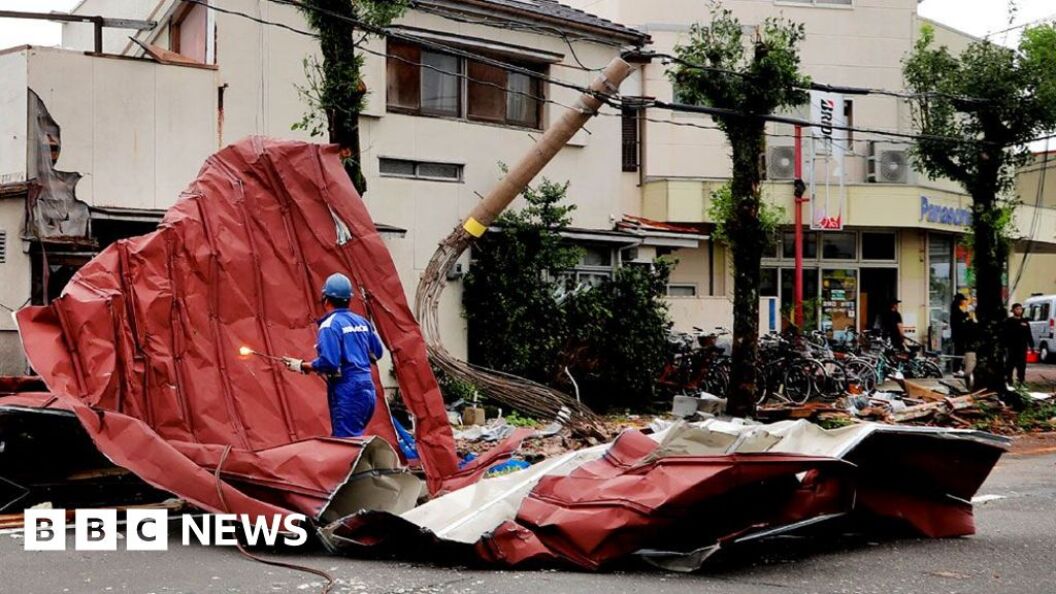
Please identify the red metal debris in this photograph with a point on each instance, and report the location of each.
(144, 343)
(143, 347)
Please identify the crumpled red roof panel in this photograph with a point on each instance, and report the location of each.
(148, 333)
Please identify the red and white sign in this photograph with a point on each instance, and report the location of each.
(829, 146)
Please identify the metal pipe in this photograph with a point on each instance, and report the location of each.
(797, 289)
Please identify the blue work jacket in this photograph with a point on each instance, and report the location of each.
(346, 344)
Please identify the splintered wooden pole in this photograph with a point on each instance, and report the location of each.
(516, 392)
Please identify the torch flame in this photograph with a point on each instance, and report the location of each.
(245, 351)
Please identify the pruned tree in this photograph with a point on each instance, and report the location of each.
(335, 91)
(755, 77)
(991, 101)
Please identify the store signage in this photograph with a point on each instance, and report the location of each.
(829, 145)
(944, 215)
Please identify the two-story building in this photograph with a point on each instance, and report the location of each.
(96, 145)
(900, 235)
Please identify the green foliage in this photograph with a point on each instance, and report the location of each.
(454, 389)
(720, 68)
(721, 210)
(995, 98)
(515, 321)
(992, 101)
(334, 92)
(620, 340)
(515, 420)
(526, 320)
(1037, 417)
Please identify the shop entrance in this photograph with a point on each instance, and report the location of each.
(879, 288)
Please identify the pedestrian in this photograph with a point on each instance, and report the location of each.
(347, 347)
(1017, 339)
(962, 333)
(891, 325)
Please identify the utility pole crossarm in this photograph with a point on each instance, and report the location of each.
(98, 21)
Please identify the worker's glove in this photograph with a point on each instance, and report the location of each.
(293, 364)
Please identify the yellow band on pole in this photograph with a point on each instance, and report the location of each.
(474, 228)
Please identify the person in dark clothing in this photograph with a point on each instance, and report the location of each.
(962, 330)
(1017, 339)
(891, 326)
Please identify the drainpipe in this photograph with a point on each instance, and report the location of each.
(800, 188)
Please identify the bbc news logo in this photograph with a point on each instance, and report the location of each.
(148, 530)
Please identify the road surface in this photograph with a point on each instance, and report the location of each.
(1014, 552)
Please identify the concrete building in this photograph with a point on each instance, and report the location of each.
(132, 125)
(901, 231)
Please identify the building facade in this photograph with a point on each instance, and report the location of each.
(130, 127)
(902, 232)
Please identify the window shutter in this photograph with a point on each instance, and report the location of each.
(630, 139)
(404, 88)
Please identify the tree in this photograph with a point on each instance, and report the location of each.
(515, 320)
(992, 101)
(528, 318)
(335, 89)
(719, 69)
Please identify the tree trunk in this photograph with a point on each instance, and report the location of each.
(747, 240)
(990, 254)
(343, 91)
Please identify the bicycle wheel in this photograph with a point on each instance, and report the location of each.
(862, 372)
(926, 368)
(835, 380)
(802, 380)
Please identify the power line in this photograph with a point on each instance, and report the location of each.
(846, 90)
(610, 100)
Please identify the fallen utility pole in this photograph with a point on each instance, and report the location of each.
(522, 394)
(98, 21)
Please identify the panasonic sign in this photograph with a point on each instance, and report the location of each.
(944, 215)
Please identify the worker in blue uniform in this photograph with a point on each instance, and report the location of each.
(347, 346)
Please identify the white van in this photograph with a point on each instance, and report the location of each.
(1040, 310)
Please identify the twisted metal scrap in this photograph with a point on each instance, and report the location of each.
(516, 392)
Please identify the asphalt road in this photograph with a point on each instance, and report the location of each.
(1014, 552)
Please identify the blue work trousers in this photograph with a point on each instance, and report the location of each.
(351, 400)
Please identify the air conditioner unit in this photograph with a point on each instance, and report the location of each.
(888, 164)
(781, 162)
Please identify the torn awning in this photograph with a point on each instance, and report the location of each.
(144, 343)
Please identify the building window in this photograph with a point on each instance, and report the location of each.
(839, 246)
(189, 33)
(878, 246)
(810, 245)
(682, 290)
(423, 82)
(426, 170)
(597, 264)
(768, 282)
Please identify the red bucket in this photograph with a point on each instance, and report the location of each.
(1032, 356)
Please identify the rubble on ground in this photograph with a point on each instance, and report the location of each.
(141, 354)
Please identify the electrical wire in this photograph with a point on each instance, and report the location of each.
(1035, 222)
(610, 100)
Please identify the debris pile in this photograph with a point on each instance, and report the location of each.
(143, 352)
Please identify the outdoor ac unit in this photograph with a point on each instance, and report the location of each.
(888, 164)
(781, 162)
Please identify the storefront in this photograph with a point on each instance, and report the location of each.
(848, 277)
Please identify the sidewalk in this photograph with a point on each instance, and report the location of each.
(1042, 375)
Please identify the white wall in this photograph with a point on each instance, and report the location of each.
(13, 110)
(138, 131)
